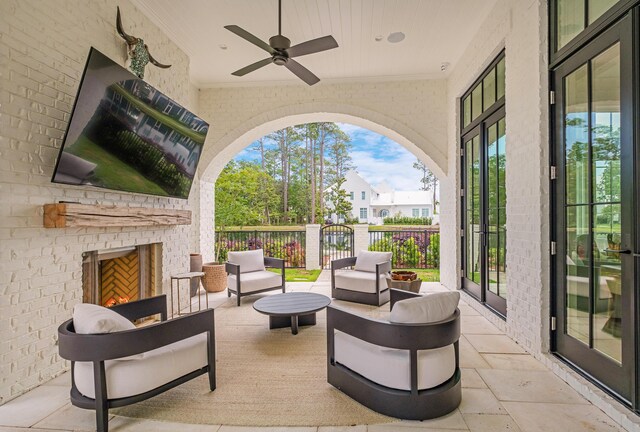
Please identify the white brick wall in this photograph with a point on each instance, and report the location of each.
(43, 48)
(409, 112)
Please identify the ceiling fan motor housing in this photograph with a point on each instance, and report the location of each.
(279, 42)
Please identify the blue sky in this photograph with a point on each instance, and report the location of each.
(375, 157)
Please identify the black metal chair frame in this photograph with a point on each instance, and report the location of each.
(97, 348)
(410, 405)
(378, 298)
(234, 269)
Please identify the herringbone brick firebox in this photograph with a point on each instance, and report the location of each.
(115, 276)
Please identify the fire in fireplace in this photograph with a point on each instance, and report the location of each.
(115, 276)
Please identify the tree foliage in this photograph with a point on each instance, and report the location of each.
(429, 181)
(287, 182)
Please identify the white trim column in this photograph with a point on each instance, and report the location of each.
(360, 238)
(312, 246)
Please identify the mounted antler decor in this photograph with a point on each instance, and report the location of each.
(137, 50)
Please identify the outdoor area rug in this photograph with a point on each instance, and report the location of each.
(264, 378)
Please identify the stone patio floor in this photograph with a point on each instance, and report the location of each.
(504, 389)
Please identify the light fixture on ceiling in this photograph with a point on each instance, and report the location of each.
(444, 66)
(223, 47)
(396, 37)
(378, 38)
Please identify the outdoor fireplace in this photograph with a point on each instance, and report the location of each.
(121, 275)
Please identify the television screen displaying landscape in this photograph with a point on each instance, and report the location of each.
(126, 135)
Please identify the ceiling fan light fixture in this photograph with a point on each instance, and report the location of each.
(396, 37)
(378, 38)
(280, 60)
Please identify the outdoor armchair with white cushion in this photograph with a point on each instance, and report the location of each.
(366, 283)
(114, 364)
(406, 367)
(247, 273)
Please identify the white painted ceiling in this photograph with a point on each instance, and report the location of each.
(437, 31)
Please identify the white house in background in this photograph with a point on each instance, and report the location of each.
(371, 204)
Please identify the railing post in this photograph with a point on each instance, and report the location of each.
(312, 246)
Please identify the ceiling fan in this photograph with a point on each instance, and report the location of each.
(282, 52)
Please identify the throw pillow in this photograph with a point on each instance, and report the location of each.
(425, 309)
(249, 261)
(367, 260)
(93, 319)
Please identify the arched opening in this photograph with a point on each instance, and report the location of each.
(422, 148)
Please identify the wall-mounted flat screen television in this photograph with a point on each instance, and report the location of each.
(126, 135)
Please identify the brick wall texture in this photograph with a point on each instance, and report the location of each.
(43, 49)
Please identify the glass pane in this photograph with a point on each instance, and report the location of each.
(472, 193)
(492, 173)
(492, 210)
(492, 241)
(605, 121)
(466, 110)
(571, 16)
(576, 136)
(489, 88)
(502, 209)
(476, 102)
(607, 318)
(578, 272)
(500, 78)
(599, 7)
(468, 186)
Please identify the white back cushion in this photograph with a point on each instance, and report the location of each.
(249, 261)
(425, 309)
(92, 319)
(367, 260)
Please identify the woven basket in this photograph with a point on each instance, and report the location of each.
(215, 277)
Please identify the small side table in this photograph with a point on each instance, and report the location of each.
(188, 277)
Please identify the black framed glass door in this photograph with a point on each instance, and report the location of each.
(484, 199)
(484, 206)
(593, 210)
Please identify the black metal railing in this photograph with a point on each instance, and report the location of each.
(411, 248)
(287, 245)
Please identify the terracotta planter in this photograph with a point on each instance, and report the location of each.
(195, 265)
(215, 277)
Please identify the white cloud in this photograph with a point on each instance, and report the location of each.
(378, 158)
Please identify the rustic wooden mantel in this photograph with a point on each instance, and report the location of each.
(68, 215)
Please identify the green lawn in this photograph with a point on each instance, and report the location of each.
(111, 171)
(427, 275)
(299, 275)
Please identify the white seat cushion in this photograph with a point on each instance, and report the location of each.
(155, 368)
(249, 261)
(425, 309)
(93, 319)
(255, 281)
(367, 260)
(360, 281)
(391, 367)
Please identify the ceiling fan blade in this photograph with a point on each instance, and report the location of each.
(254, 66)
(313, 46)
(301, 72)
(249, 37)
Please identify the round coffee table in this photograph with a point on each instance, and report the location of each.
(291, 309)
